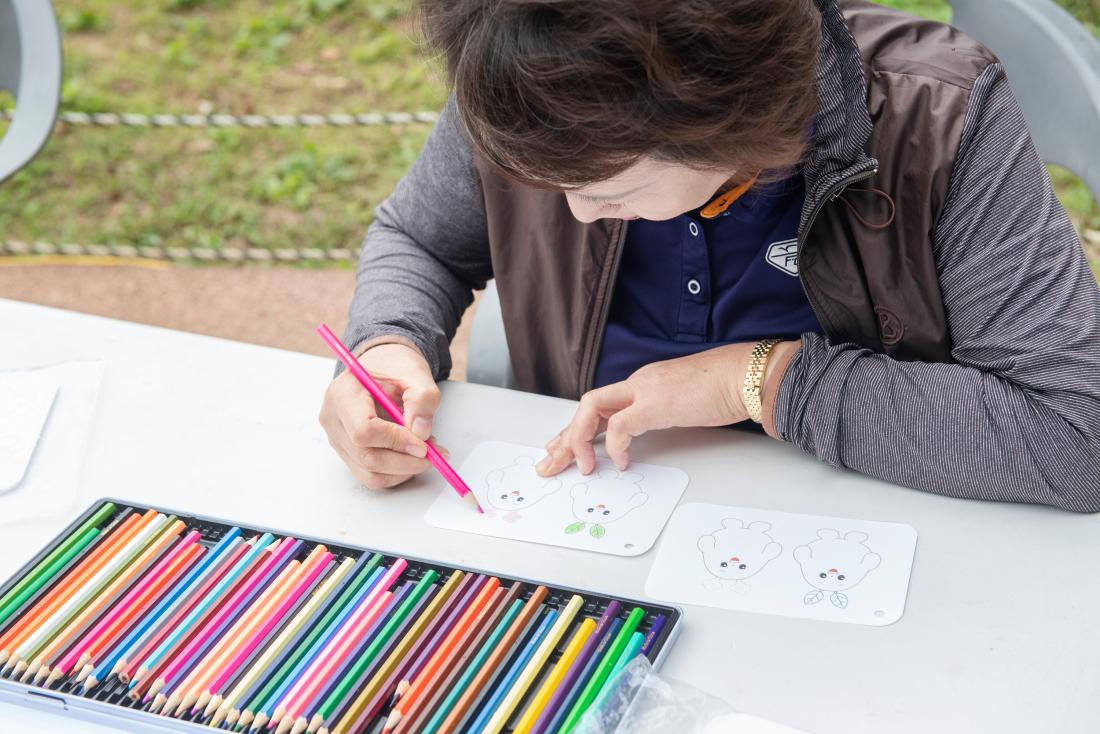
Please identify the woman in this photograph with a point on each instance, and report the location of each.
(826, 218)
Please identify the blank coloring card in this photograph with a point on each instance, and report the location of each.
(608, 511)
(752, 560)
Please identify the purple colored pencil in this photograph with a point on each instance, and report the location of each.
(571, 675)
(653, 634)
(441, 632)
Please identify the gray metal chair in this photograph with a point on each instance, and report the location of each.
(30, 68)
(1053, 64)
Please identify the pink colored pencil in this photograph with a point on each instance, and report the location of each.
(231, 606)
(394, 412)
(271, 623)
(124, 604)
(360, 620)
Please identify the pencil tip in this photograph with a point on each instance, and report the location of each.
(299, 726)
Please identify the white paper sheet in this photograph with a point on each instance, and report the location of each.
(620, 513)
(49, 486)
(25, 401)
(754, 560)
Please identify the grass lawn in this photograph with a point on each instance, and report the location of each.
(260, 188)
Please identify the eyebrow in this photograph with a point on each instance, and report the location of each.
(616, 196)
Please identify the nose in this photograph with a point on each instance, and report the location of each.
(833, 572)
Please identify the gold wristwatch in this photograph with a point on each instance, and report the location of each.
(754, 378)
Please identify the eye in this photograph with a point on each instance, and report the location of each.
(519, 499)
(504, 496)
(724, 564)
(607, 512)
(840, 577)
(822, 574)
(742, 567)
(591, 509)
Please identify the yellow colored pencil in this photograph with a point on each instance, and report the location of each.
(530, 672)
(538, 703)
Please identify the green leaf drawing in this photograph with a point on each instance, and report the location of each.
(597, 531)
(574, 528)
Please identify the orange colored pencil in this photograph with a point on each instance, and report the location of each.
(68, 586)
(410, 702)
(121, 582)
(530, 608)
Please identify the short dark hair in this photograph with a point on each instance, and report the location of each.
(564, 93)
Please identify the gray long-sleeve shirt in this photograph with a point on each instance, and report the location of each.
(1016, 417)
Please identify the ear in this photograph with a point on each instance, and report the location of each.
(495, 477)
(760, 526)
(631, 477)
(706, 543)
(772, 550)
(577, 490)
(525, 461)
(608, 474)
(733, 522)
(803, 553)
(871, 561)
(856, 536)
(828, 534)
(552, 486)
(638, 499)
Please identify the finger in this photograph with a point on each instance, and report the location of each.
(386, 461)
(420, 400)
(622, 428)
(366, 477)
(366, 432)
(556, 460)
(594, 408)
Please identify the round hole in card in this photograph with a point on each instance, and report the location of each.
(880, 613)
(628, 546)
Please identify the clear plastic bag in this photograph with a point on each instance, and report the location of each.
(639, 701)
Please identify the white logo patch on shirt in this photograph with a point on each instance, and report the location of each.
(784, 256)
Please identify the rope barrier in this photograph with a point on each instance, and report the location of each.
(115, 119)
(183, 254)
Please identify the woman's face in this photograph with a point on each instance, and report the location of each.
(647, 190)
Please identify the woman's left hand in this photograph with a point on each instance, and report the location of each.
(702, 389)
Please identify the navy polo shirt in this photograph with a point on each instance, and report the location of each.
(689, 284)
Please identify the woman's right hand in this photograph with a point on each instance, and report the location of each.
(381, 453)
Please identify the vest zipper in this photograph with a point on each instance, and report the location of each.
(605, 310)
(832, 194)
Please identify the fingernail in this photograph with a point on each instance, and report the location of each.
(422, 427)
(446, 454)
(544, 464)
(418, 450)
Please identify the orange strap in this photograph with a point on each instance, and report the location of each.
(723, 202)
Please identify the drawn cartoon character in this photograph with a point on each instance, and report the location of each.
(515, 488)
(835, 564)
(603, 499)
(736, 552)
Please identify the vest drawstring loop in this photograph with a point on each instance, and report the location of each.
(859, 217)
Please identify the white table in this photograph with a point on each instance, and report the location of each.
(1000, 633)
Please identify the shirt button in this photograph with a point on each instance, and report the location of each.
(694, 229)
(693, 286)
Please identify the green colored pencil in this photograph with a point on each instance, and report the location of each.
(300, 650)
(48, 562)
(348, 681)
(595, 683)
(474, 666)
(42, 578)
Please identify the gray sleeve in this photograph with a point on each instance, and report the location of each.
(1017, 417)
(426, 251)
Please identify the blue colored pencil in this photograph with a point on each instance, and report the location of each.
(517, 667)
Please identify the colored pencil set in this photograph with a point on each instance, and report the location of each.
(247, 630)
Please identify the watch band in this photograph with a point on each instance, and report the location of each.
(754, 378)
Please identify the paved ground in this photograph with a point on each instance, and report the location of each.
(274, 306)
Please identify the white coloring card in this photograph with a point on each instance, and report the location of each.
(608, 511)
(752, 560)
(25, 401)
